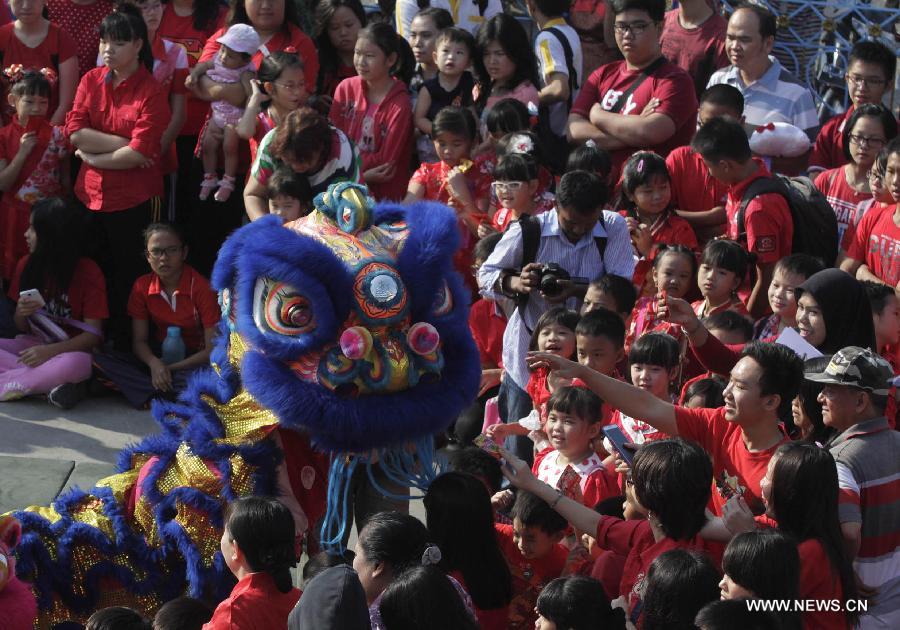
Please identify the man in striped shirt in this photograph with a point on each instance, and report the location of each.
(771, 93)
(867, 453)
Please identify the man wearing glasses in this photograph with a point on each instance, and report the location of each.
(642, 102)
(771, 93)
(870, 73)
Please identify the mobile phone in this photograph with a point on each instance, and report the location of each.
(618, 440)
(32, 294)
(34, 124)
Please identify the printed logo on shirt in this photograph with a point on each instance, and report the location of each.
(765, 244)
(612, 97)
(886, 249)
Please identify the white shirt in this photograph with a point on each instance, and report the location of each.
(464, 12)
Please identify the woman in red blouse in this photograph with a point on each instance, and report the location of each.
(116, 124)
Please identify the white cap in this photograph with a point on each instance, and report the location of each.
(241, 38)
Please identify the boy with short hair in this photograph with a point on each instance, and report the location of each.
(870, 73)
(768, 228)
(452, 87)
(611, 292)
(531, 546)
(600, 341)
(698, 196)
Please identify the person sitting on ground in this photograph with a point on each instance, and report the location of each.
(174, 294)
(60, 307)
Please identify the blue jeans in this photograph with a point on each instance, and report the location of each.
(515, 403)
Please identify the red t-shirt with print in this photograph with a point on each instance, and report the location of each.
(693, 188)
(670, 84)
(844, 200)
(877, 244)
(733, 464)
(529, 577)
(767, 220)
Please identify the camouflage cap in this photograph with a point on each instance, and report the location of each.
(856, 367)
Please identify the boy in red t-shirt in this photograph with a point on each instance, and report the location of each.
(870, 71)
(698, 196)
(739, 437)
(531, 546)
(768, 228)
(657, 116)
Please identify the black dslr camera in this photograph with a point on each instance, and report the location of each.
(552, 274)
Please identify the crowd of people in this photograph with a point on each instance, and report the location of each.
(688, 349)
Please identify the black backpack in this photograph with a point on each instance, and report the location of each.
(555, 149)
(815, 224)
(531, 238)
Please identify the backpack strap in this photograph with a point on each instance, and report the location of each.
(759, 186)
(570, 61)
(643, 76)
(601, 241)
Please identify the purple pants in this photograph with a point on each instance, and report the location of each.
(18, 380)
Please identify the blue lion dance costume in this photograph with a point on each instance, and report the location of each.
(344, 334)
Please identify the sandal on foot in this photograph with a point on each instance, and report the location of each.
(226, 185)
(210, 181)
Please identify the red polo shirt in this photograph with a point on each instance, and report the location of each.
(192, 308)
(693, 188)
(137, 109)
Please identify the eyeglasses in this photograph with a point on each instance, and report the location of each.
(635, 28)
(874, 82)
(292, 87)
(863, 141)
(500, 188)
(159, 252)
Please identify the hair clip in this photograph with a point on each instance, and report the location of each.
(769, 127)
(431, 555)
(520, 143)
(640, 165)
(591, 144)
(290, 50)
(50, 75)
(15, 72)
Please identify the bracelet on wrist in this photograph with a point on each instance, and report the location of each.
(559, 496)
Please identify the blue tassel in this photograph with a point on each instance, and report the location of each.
(334, 525)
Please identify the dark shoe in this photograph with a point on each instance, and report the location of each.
(67, 395)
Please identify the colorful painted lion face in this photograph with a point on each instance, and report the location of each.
(351, 323)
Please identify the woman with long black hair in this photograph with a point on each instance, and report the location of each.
(61, 305)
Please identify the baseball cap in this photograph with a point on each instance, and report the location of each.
(856, 367)
(241, 38)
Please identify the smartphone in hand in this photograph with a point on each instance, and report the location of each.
(619, 440)
(32, 294)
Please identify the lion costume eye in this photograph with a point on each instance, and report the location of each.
(282, 309)
(443, 302)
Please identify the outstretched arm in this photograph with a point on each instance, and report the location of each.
(631, 400)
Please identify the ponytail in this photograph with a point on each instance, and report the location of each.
(263, 529)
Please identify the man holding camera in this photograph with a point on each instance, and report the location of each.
(578, 243)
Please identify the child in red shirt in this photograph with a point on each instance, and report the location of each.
(174, 294)
(531, 546)
(846, 187)
(34, 163)
(455, 180)
(515, 186)
(645, 200)
(374, 110)
(34, 43)
(674, 270)
(600, 345)
(573, 423)
(723, 268)
(258, 547)
(279, 89)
